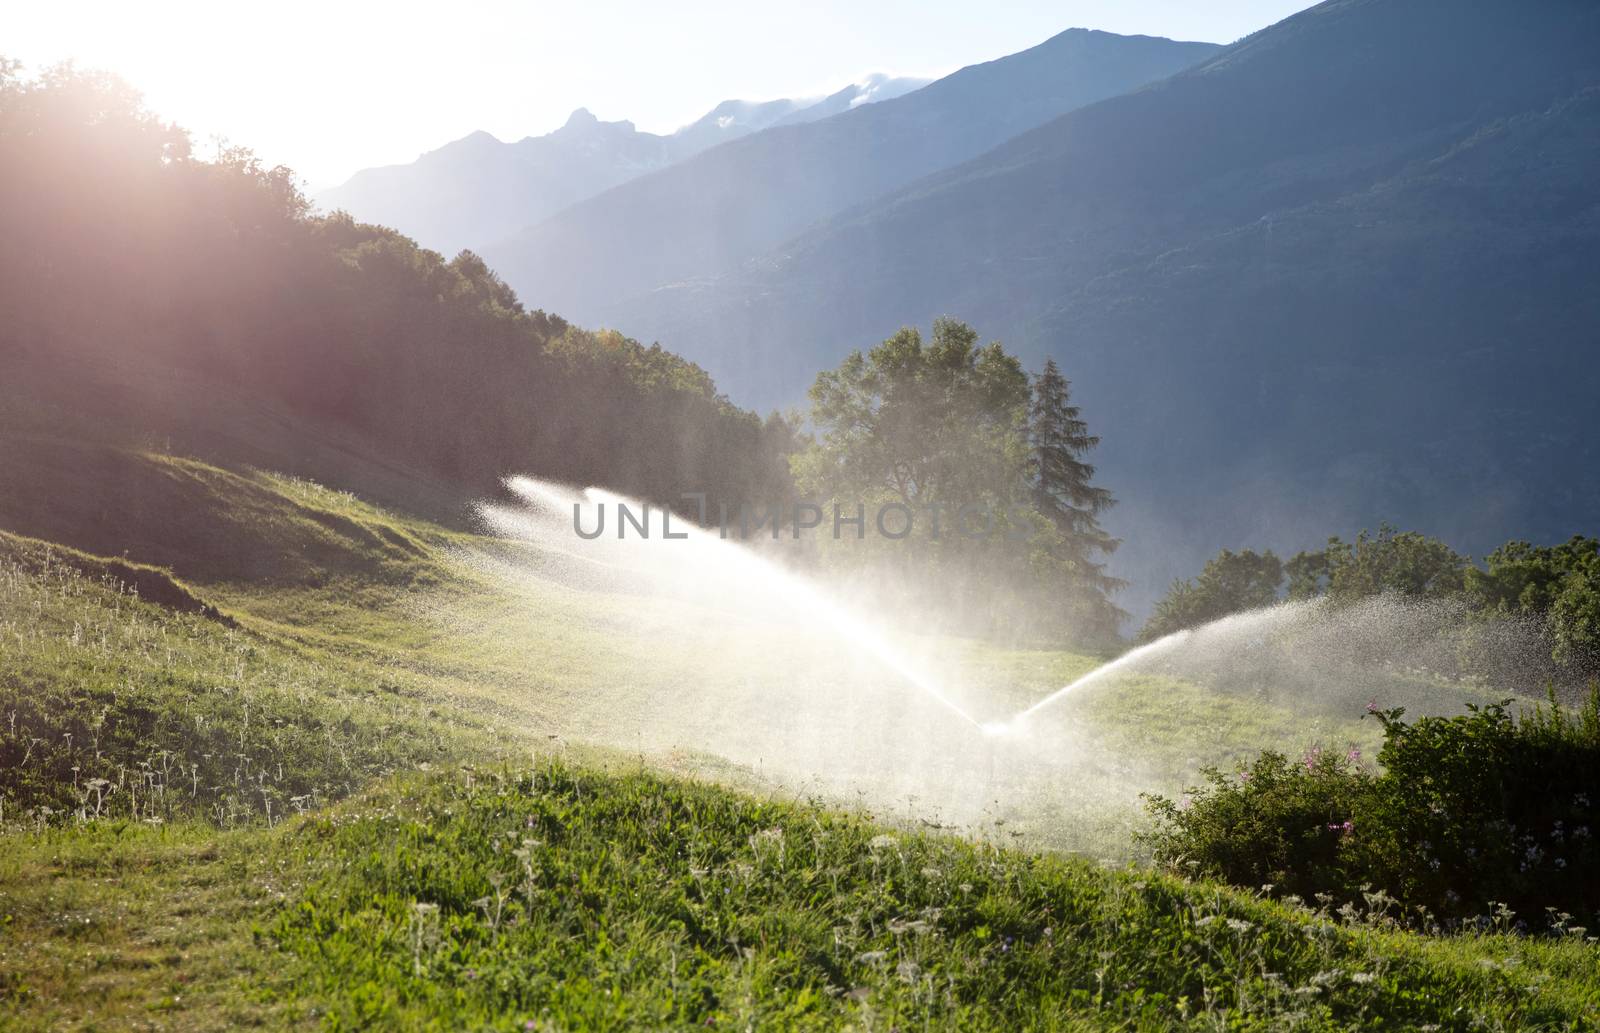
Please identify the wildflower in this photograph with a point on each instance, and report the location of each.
(1244, 776)
(1354, 756)
(1311, 758)
(1372, 705)
(1362, 977)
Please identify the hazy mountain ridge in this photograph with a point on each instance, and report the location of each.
(479, 189)
(729, 204)
(1334, 275)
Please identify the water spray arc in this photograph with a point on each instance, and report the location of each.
(698, 553)
(1133, 656)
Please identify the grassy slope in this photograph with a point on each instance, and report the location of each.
(324, 676)
(557, 898)
(567, 899)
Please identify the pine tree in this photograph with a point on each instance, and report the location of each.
(1064, 492)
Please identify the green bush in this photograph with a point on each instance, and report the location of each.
(1467, 816)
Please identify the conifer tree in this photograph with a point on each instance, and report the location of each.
(1064, 491)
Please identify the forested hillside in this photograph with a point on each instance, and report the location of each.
(194, 304)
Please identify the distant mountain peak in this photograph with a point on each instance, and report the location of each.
(882, 86)
(584, 128)
(479, 141)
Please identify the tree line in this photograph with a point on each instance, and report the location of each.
(1556, 588)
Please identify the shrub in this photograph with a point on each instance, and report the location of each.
(1467, 813)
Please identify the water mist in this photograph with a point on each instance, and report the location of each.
(703, 653)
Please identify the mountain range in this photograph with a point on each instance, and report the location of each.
(707, 214)
(1343, 271)
(479, 189)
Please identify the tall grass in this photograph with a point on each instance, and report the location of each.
(112, 707)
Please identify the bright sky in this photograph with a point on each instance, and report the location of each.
(332, 86)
